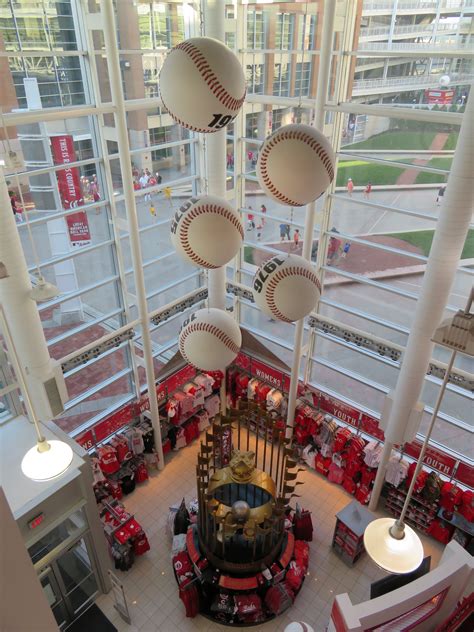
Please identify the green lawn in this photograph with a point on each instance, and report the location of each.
(248, 254)
(410, 140)
(396, 140)
(362, 172)
(439, 162)
(424, 238)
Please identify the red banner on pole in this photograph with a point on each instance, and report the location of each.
(69, 184)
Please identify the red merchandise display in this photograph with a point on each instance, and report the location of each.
(322, 464)
(190, 598)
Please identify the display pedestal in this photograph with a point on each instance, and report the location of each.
(348, 539)
(247, 599)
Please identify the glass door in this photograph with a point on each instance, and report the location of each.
(69, 583)
(54, 596)
(76, 577)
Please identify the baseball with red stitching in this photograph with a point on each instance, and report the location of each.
(207, 231)
(210, 340)
(202, 84)
(286, 287)
(295, 165)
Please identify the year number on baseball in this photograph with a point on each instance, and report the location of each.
(269, 267)
(220, 120)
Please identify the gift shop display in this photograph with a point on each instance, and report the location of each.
(245, 555)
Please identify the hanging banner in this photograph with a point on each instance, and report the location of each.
(69, 184)
(433, 458)
(341, 411)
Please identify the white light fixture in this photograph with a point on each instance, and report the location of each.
(43, 291)
(393, 545)
(47, 459)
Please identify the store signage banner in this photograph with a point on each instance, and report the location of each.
(161, 395)
(274, 377)
(341, 411)
(69, 184)
(118, 420)
(242, 361)
(86, 440)
(441, 97)
(370, 425)
(433, 458)
(465, 474)
(180, 378)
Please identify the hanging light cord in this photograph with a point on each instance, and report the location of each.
(18, 184)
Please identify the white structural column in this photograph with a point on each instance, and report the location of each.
(214, 24)
(321, 96)
(21, 312)
(450, 235)
(113, 62)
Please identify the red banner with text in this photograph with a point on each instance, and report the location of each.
(69, 184)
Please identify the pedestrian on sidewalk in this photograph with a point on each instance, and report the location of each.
(440, 195)
(296, 238)
(282, 231)
(263, 210)
(345, 250)
(287, 231)
(152, 210)
(250, 219)
(350, 187)
(367, 190)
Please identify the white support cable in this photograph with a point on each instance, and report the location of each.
(116, 87)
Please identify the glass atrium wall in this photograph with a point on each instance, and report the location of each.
(372, 248)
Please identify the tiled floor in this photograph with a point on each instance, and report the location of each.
(150, 586)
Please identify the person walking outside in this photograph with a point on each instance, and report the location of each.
(296, 238)
(440, 195)
(350, 187)
(152, 210)
(287, 231)
(367, 190)
(282, 232)
(250, 219)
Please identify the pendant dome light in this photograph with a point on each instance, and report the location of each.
(393, 545)
(47, 459)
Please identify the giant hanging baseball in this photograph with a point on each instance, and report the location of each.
(295, 165)
(286, 287)
(202, 84)
(210, 339)
(207, 231)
